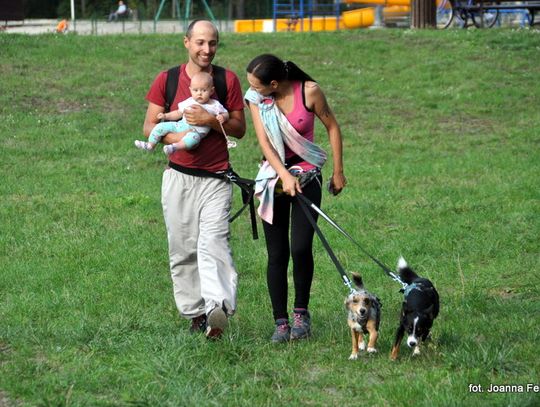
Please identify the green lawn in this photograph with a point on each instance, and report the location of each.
(441, 134)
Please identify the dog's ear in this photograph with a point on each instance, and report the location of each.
(357, 279)
(348, 300)
(430, 311)
(377, 301)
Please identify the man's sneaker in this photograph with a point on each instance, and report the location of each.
(301, 325)
(198, 324)
(216, 322)
(282, 332)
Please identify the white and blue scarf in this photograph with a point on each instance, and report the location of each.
(280, 132)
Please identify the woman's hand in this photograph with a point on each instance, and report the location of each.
(291, 185)
(337, 183)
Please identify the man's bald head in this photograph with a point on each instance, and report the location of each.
(197, 25)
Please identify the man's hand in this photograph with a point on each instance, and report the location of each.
(197, 116)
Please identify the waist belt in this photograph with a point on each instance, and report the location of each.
(247, 186)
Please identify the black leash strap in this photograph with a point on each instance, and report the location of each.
(247, 186)
(329, 250)
(307, 203)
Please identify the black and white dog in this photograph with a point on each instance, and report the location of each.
(419, 309)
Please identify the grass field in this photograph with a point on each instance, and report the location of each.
(441, 134)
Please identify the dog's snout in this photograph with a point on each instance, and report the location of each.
(363, 311)
(412, 342)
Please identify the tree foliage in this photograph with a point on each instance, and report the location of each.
(222, 9)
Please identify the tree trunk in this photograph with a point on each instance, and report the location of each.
(230, 11)
(83, 8)
(423, 13)
(240, 9)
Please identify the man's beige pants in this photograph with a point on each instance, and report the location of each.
(196, 212)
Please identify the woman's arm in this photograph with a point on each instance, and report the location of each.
(290, 183)
(316, 101)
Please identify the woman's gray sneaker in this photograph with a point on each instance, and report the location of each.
(282, 332)
(302, 324)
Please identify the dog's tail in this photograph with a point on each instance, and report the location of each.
(357, 280)
(402, 263)
(405, 272)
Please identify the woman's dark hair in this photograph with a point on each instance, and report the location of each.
(267, 68)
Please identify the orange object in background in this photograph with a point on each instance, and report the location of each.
(322, 23)
(62, 26)
(357, 18)
(362, 17)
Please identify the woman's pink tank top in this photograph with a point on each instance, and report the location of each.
(302, 120)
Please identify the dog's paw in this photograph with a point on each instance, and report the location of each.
(416, 351)
(371, 350)
(353, 356)
(362, 346)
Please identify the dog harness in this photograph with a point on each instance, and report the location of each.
(414, 286)
(407, 290)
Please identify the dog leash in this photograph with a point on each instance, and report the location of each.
(247, 186)
(305, 203)
(329, 250)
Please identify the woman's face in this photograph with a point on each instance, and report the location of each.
(262, 89)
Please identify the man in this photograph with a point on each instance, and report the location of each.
(196, 203)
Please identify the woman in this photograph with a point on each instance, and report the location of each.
(283, 101)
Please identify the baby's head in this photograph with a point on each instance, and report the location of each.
(201, 86)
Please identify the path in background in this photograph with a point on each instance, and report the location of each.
(100, 27)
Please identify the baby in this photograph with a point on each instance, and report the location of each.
(201, 88)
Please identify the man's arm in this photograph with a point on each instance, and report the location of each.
(235, 126)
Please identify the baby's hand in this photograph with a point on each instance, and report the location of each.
(220, 118)
(161, 116)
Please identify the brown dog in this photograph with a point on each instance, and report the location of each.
(364, 317)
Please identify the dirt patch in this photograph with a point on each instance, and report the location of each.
(5, 401)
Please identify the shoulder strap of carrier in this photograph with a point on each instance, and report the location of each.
(220, 83)
(171, 86)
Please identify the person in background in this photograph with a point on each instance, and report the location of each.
(62, 26)
(121, 11)
(284, 101)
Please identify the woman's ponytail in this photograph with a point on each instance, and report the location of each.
(268, 68)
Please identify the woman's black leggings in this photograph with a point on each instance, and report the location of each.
(287, 211)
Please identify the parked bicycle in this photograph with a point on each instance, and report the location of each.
(462, 11)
